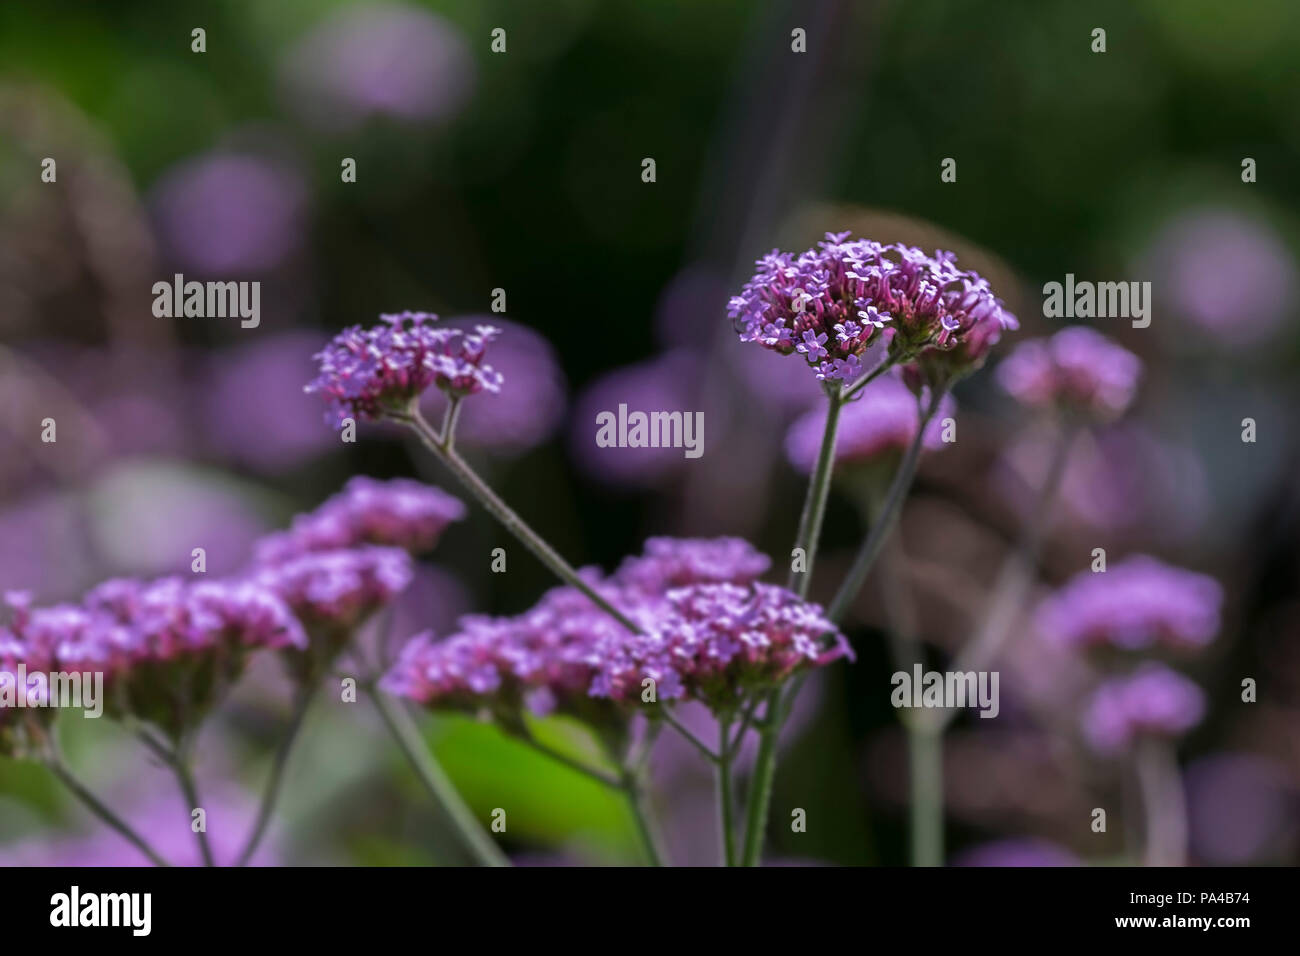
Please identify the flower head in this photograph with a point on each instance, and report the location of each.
(667, 563)
(702, 637)
(1136, 604)
(1077, 369)
(882, 421)
(365, 373)
(1153, 700)
(831, 302)
(334, 590)
(399, 513)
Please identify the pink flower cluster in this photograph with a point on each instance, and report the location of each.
(1152, 701)
(831, 302)
(1077, 369)
(709, 632)
(1136, 604)
(399, 513)
(366, 373)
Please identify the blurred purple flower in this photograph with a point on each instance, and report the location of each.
(1134, 605)
(667, 563)
(378, 60)
(1151, 701)
(1120, 478)
(335, 590)
(526, 414)
(255, 409)
(399, 513)
(1228, 273)
(230, 213)
(1240, 809)
(1078, 369)
(666, 383)
(882, 420)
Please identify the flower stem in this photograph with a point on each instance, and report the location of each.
(100, 809)
(435, 781)
(889, 513)
(760, 785)
(441, 446)
(726, 799)
(1163, 803)
(636, 799)
(274, 783)
(814, 506)
(185, 777)
(925, 749)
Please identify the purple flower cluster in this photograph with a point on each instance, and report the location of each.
(1077, 369)
(335, 590)
(1153, 700)
(167, 648)
(399, 513)
(667, 563)
(709, 632)
(829, 303)
(1136, 604)
(882, 421)
(365, 373)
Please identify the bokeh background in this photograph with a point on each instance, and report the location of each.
(522, 171)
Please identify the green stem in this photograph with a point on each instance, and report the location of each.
(726, 799)
(889, 513)
(814, 505)
(925, 749)
(275, 783)
(760, 786)
(442, 448)
(435, 781)
(100, 809)
(636, 799)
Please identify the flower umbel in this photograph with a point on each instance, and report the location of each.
(831, 302)
(1077, 369)
(365, 373)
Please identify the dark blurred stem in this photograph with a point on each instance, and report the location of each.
(600, 776)
(185, 777)
(814, 505)
(1163, 803)
(436, 782)
(96, 806)
(925, 764)
(889, 513)
(726, 799)
(443, 449)
(275, 783)
(634, 788)
(690, 738)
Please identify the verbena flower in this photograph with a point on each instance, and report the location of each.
(365, 373)
(881, 422)
(337, 588)
(667, 563)
(167, 649)
(1135, 604)
(831, 302)
(1077, 370)
(717, 642)
(706, 640)
(398, 513)
(1152, 701)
